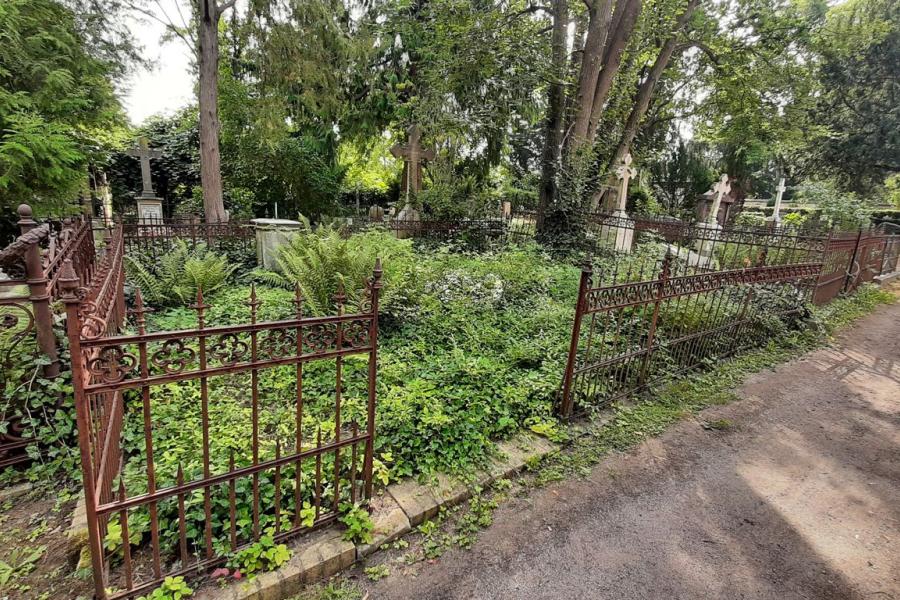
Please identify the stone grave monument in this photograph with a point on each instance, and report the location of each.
(413, 154)
(711, 228)
(775, 219)
(149, 205)
(620, 233)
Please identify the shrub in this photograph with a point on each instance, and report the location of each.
(320, 260)
(179, 274)
(358, 523)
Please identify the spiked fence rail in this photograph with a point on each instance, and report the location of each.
(152, 238)
(33, 263)
(630, 335)
(120, 376)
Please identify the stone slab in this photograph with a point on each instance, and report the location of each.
(390, 523)
(14, 492)
(417, 501)
(317, 556)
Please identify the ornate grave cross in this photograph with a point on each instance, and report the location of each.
(776, 213)
(412, 153)
(144, 152)
(625, 172)
(721, 188)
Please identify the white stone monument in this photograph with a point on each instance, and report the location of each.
(711, 228)
(776, 212)
(149, 206)
(621, 233)
(271, 234)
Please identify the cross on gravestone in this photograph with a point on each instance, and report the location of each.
(412, 153)
(624, 172)
(143, 152)
(776, 213)
(721, 188)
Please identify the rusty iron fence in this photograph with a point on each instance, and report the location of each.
(185, 519)
(31, 264)
(152, 238)
(629, 336)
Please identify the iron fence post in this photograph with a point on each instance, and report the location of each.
(567, 401)
(852, 261)
(39, 295)
(375, 287)
(69, 284)
(651, 334)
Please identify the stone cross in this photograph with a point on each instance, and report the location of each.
(721, 188)
(625, 172)
(145, 153)
(776, 213)
(412, 153)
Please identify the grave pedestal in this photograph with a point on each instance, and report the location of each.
(149, 209)
(620, 232)
(409, 221)
(707, 244)
(271, 234)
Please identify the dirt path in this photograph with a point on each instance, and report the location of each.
(799, 499)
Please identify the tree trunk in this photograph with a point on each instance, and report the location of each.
(622, 27)
(210, 163)
(591, 63)
(555, 108)
(645, 92)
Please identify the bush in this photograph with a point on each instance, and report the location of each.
(750, 219)
(179, 274)
(320, 260)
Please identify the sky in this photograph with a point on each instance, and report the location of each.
(169, 84)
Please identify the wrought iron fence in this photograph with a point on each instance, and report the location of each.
(32, 264)
(628, 336)
(152, 238)
(184, 517)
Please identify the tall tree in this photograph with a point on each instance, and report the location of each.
(209, 14)
(203, 39)
(58, 107)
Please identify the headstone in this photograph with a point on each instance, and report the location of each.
(149, 206)
(271, 234)
(776, 211)
(711, 228)
(376, 213)
(105, 200)
(620, 232)
(412, 154)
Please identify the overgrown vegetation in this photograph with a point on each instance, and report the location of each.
(177, 275)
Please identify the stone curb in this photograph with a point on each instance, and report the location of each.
(320, 555)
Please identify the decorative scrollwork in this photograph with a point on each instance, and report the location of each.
(173, 356)
(320, 338)
(279, 343)
(112, 364)
(355, 334)
(229, 349)
(92, 324)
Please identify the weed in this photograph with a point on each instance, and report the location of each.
(377, 572)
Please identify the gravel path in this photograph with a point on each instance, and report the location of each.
(800, 499)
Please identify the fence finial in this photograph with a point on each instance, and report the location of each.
(377, 272)
(68, 280)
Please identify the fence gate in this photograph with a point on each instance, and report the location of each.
(242, 458)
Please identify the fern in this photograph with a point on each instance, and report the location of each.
(179, 274)
(320, 261)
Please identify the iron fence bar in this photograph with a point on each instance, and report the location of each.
(583, 286)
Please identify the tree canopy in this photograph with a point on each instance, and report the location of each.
(519, 99)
